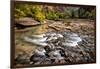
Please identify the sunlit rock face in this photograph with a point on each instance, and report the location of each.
(64, 39)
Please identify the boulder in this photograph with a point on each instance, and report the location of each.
(26, 21)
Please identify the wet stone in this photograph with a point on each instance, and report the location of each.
(54, 51)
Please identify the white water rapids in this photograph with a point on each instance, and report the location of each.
(69, 39)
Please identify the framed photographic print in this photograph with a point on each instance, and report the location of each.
(49, 34)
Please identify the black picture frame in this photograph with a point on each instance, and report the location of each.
(13, 3)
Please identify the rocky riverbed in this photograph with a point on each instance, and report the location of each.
(56, 42)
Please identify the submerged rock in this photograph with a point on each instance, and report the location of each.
(40, 51)
(38, 55)
(22, 59)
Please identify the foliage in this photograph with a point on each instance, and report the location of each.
(86, 12)
(34, 11)
(52, 15)
(38, 13)
(23, 11)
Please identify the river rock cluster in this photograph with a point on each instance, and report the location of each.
(58, 48)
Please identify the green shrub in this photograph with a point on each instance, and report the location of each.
(87, 12)
(23, 11)
(19, 13)
(26, 10)
(52, 15)
(71, 12)
(38, 13)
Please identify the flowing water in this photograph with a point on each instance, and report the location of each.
(70, 47)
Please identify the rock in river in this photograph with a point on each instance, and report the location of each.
(22, 23)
